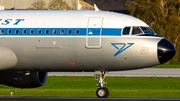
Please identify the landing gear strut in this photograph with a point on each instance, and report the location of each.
(101, 92)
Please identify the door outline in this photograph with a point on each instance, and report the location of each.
(88, 34)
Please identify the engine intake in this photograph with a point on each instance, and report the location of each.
(22, 79)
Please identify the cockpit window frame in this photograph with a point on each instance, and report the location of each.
(136, 34)
(131, 30)
(148, 28)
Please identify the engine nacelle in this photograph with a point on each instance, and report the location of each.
(22, 79)
(8, 58)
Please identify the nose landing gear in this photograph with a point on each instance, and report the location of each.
(101, 92)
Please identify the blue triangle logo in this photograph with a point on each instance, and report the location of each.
(123, 48)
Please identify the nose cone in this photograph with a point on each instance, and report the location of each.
(166, 51)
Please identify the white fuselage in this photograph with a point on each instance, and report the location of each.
(73, 41)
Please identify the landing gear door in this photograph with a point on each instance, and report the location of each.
(93, 34)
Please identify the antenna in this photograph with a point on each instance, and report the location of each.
(96, 8)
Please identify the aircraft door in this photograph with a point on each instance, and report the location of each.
(93, 34)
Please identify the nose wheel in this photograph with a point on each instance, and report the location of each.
(101, 92)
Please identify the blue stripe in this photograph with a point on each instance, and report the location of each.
(82, 32)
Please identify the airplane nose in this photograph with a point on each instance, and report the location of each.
(166, 51)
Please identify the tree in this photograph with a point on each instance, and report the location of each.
(74, 4)
(58, 4)
(39, 4)
(162, 15)
(85, 5)
(30, 8)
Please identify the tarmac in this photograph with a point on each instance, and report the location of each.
(83, 99)
(147, 72)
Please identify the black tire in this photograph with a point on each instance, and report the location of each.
(102, 92)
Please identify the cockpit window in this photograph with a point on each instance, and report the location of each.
(147, 30)
(126, 30)
(136, 30)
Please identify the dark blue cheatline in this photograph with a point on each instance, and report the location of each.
(58, 32)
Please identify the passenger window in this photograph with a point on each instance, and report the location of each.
(9, 31)
(136, 30)
(1, 31)
(126, 30)
(54, 31)
(62, 31)
(24, 31)
(69, 31)
(77, 31)
(32, 31)
(47, 31)
(16, 31)
(39, 31)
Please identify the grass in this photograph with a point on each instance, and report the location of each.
(85, 86)
(167, 66)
